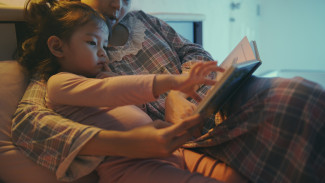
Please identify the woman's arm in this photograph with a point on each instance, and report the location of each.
(158, 139)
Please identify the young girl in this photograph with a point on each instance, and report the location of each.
(69, 50)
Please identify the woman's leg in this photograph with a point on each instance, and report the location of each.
(274, 131)
(185, 166)
(207, 166)
(166, 170)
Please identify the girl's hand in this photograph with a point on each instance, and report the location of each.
(187, 83)
(107, 72)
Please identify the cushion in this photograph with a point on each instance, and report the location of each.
(16, 167)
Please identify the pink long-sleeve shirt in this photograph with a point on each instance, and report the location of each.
(101, 102)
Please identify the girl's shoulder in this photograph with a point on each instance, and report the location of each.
(64, 81)
(61, 75)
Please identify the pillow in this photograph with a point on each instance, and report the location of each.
(13, 83)
(16, 167)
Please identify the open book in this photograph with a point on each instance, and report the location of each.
(239, 66)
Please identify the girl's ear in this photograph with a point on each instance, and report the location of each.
(55, 44)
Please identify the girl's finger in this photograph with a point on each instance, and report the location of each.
(211, 68)
(106, 68)
(196, 97)
(196, 68)
(208, 67)
(209, 82)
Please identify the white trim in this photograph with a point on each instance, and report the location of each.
(192, 17)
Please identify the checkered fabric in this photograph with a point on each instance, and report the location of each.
(274, 132)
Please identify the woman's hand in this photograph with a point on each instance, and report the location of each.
(177, 107)
(158, 139)
(187, 83)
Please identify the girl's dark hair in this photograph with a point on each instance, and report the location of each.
(52, 18)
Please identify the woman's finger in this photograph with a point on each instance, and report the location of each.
(183, 126)
(195, 96)
(179, 140)
(161, 124)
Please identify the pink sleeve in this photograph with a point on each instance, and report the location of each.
(70, 89)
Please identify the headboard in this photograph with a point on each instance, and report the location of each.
(13, 30)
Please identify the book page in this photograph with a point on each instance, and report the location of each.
(241, 53)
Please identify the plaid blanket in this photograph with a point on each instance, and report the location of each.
(274, 132)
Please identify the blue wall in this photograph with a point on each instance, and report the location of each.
(292, 34)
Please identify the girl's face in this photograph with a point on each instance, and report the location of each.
(85, 52)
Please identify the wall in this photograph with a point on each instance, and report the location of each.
(215, 25)
(13, 2)
(292, 34)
